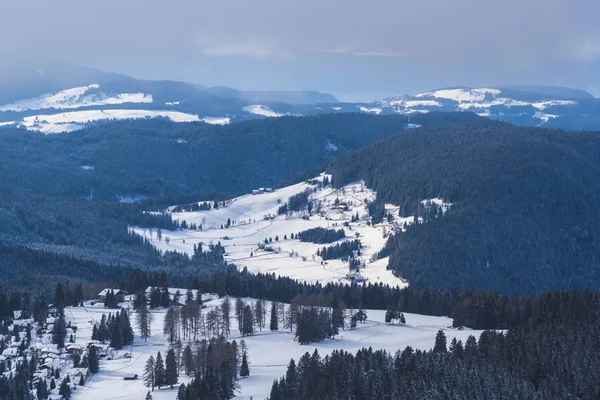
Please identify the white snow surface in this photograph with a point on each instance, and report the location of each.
(268, 352)
(478, 100)
(216, 120)
(259, 109)
(374, 110)
(75, 98)
(254, 218)
(74, 120)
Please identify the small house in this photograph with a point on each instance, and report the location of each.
(117, 292)
(130, 377)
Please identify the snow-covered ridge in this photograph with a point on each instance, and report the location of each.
(486, 102)
(84, 96)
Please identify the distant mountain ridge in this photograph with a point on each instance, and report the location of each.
(36, 97)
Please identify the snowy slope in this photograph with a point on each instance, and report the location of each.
(262, 110)
(488, 102)
(268, 352)
(74, 120)
(254, 218)
(75, 98)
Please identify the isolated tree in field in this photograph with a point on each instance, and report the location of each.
(159, 371)
(245, 369)
(170, 369)
(92, 360)
(149, 373)
(274, 325)
(144, 319)
(148, 395)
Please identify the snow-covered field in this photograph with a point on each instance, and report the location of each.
(74, 120)
(216, 120)
(268, 352)
(261, 110)
(84, 96)
(254, 218)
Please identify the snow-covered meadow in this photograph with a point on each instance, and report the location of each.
(268, 352)
(254, 218)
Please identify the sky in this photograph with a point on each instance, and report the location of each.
(356, 49)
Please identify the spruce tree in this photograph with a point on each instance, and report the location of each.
(247, 321)
(181, 392)
(171, 369)
(274, 326)
(59, 332)
(440, 342)
(159, 371)
(92, 360)
(149, 380)
(144, 318)
(244, 369)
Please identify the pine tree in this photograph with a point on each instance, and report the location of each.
(149, 380)
(59, 296)
(181, 392)
(65, 389)
(247, 321)
(116, 339)
(170, 369)
(440, 342)
(159, 371)
(245, 369)
(144, 319)
(274, 326)
(171, 324)
(42, 391)
(92, 360)
(59, 332)
(149, 395)
(188, 360)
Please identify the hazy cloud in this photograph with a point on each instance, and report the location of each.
(460, 41)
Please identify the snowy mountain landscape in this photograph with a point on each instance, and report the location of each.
(110, 97)
(257, 235)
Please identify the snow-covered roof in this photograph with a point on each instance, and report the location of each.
(10, 352)
(78, 371)
(104, 292)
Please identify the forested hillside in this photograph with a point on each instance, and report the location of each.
(58, 194)
(157, 157)
(552, 356)
(524, 217)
